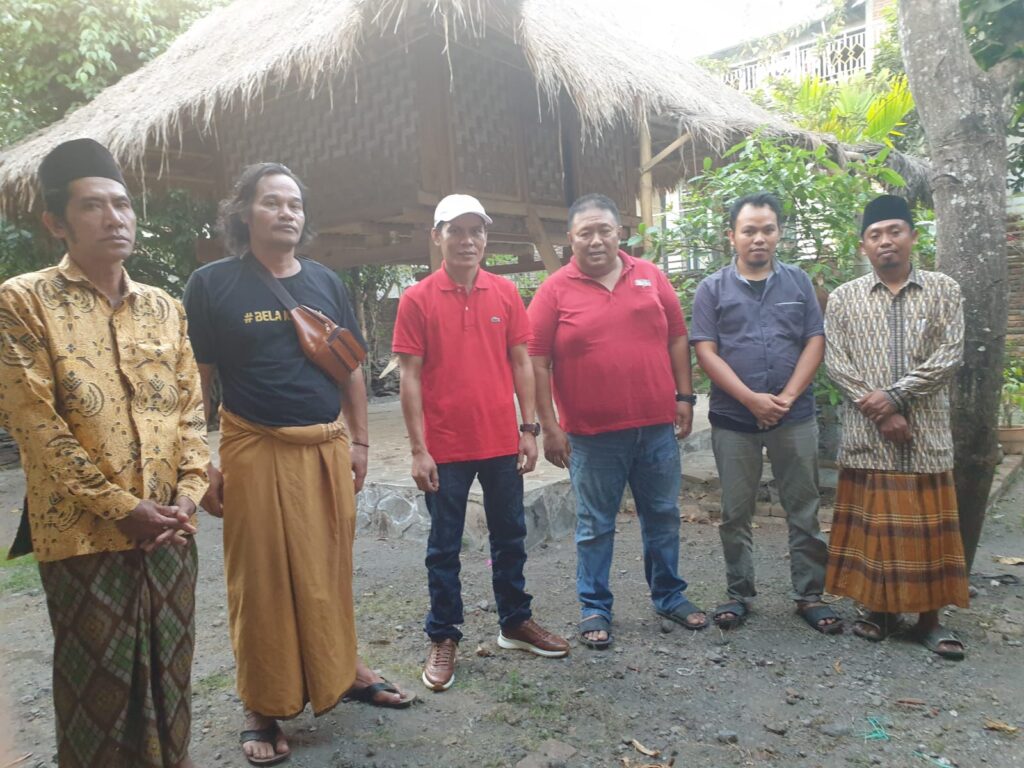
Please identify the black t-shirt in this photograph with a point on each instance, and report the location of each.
(238, 325)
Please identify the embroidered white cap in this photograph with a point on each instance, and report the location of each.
(454, 206)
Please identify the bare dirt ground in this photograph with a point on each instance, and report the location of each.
(772, 693)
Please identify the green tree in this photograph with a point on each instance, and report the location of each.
(57, 54)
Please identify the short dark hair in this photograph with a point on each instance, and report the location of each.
(601, 202)
(56, 200)
(757, 200)
(235, 208)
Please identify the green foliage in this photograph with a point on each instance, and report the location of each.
(995, 29)
(821, 202)
(56, 54)
(862, 109)
(1012, 398)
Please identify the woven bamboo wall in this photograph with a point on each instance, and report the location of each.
(358, 157)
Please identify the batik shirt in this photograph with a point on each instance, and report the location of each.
(105, 405)
(908, 344)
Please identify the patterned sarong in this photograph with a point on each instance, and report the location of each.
(895, 544)
(124, 631)
(289, 523)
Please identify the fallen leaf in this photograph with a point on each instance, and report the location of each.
(644, 750)
(483, 650)
(1007, 560)
(837, 665)
(911, 702)
(999, 725)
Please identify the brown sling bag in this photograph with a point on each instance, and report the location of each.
(333, 349)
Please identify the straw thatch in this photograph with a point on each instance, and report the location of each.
(595, 55)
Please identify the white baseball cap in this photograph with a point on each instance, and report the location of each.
(454, 206)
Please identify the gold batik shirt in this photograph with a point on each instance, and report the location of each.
(105, 405)
(908, 344)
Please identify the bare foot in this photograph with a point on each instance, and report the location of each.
(185, 762)
(598, 635)
(262, 750)
(366, 677)
(828, 621)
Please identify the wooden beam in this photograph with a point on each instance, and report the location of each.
(679, 142)
(515, 269)
(547, 251)
(646, 190)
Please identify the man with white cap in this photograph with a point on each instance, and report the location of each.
(461, 339)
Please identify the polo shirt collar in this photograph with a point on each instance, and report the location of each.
(73, 273)
(572, 269)
(775, 270)
(913, 277)
(447, 284)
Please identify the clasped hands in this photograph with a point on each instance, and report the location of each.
(881, 409)
(153, 525)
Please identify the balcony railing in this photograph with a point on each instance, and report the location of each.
(836, 59)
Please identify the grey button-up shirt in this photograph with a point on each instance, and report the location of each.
(761, 336)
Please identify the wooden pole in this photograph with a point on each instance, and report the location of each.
(540, 237)
(646, 181)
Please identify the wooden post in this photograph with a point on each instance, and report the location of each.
(547, 251)
(646, 191)
(435, 256)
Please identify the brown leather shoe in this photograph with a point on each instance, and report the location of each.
(439, 672)
(531, 636)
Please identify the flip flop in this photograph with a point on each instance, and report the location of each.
(884, 623)
(682, 612)
(268, 735)
(366, 695)
(933, 639)
(737, 608)
(812, 614)
(596, 623)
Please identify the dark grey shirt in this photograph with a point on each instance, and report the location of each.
(760, 335)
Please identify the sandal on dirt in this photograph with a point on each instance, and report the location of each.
(815, 613)
(739, 612)
(933, 639)
(367, 693)
(684, 611)
(884, 624)
(596, 623)
(268, 735)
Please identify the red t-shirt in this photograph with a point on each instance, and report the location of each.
(609, 349)
(465, 341)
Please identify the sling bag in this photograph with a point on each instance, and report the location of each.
(333, 349)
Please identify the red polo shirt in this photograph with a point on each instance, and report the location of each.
(464, 340)
(611, 368)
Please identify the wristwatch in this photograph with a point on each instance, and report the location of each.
(533, 429)
(691, 399)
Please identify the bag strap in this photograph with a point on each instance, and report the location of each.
(271, 282)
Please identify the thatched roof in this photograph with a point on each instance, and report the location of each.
(596, 52)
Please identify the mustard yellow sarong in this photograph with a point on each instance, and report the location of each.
(289, 522)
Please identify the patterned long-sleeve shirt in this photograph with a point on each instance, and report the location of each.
(908, 344)
(105, 405)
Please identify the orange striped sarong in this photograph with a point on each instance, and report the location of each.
(289, 523)
(895, 544)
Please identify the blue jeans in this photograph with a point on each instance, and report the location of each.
(506, 525)
(599, 467)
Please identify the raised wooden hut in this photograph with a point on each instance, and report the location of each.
(384, 106)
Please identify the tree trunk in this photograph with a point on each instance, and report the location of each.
(964, 112)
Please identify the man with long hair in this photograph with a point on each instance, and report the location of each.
(290, 465)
